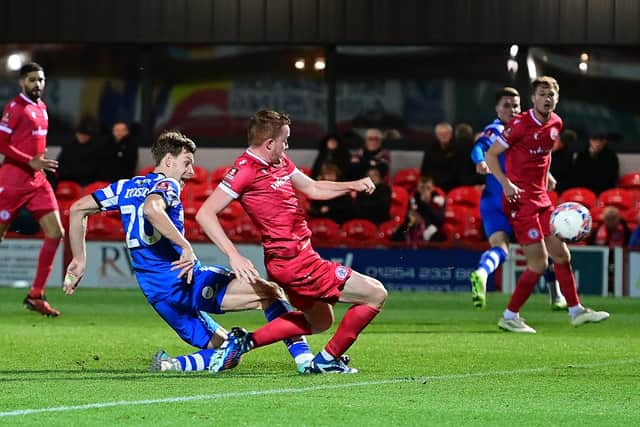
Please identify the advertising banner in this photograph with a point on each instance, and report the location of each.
(407, 269)
(19, 259)
(634, 274)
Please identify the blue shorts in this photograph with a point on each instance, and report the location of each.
(494, 218)
(184, 307)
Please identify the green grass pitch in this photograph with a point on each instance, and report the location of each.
(428, 359)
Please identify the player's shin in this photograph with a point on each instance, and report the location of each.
(297, 346)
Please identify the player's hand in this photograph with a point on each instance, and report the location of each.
(512, 192)
(39, 162)
(75, 271)
(551, 182)
(243, 268)
(482, 168)
(364, 185)
(185, 264)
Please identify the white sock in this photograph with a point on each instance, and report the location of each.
(326, 356)
(509, 315)
(483, 274)
(575, 310)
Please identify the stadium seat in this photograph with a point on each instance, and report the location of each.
(104, 226)
(325, 230)
(193, 232)
(244, 231)
(630, 180)
(217, 175)
(387, 229)
(407, 178)
(618, 197)
(399, 203)
(360, 231)
(465, 195)
(196, 191)
(68, 192)
(200, 175)
(579, 194)
(190, 208)
(96, 185)
(305, 170)
(145, 170)
(232, 212)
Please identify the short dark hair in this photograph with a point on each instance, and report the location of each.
(569, 137)
(506, 91)
(171, 142)
(266, 124)
(30, 67)
(545, 81)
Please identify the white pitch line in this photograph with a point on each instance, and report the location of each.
(305, 389)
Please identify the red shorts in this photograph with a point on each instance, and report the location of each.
(307, 278)
(531, 223)
(39, 199)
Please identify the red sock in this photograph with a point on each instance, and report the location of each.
(286, 326)
(567, 281)
(45, 265)
(524, 288)
(353, 322)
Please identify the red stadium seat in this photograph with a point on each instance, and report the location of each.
(630, 180)
(193, 232)
(465, 195)
(305, 170)
(104, 226)
(190, 208)
(245, 231)
(325, 231)
(387, 229)
(94, 186)
(68, 191)
(407, 178)
(195, 191)
(360, 231)
(399, 203)
(145, 170)
(200, 175)
(217, 175)
(618, 197)
(232, 213)
(579, 194)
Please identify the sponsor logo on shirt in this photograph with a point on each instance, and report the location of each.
(232, 172)
(280, 182)
(136, 192)
(39, 132)
(538, 151)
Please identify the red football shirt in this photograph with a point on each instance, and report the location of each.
(528, 154)
(23, 126)
(267, 195)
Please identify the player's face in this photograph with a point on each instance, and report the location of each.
(279, 144)
(33, 85)
(544, 100)
(507, 107)
(181, 167)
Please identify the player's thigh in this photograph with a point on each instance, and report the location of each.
(494, 221)
(361, 289)
(193, 328)
(242, 295)
(209, 288)
(51, 225)
(536, 255)
(558, 250)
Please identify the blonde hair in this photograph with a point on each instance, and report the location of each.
(266, 124)
(545, 81)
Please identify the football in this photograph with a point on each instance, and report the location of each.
(571, 222)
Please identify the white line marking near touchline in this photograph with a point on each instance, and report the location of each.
(306, 389)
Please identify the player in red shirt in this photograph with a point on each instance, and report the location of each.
(527, 141)
(264, 180)
(23, 140)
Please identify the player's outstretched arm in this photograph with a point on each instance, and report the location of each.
(207, 217)
(155, 212)
(78, 214)
(325, 190)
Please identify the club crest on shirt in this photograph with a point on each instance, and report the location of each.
(553, 133)
(4, 215)
(341, 272)
(533, 233)
(207, 292)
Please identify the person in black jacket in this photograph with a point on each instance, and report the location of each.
(562, 159)
(376, 206)
(596, 168)
(425, 217)
(339, 209)
(332, 150)
(79, 158)
(118, 156)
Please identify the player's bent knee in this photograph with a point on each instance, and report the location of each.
(378, 294)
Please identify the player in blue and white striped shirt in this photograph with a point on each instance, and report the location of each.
(180, 289)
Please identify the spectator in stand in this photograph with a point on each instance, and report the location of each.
(332, 150)
(597, 167)
(442, 159)
(371, 155)
(614, 230)
(339, 209)
(118, 156)
(78, 159)
(562, 159)
(375, 206)
(464, 139)
(634, 240)
(425, 216)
